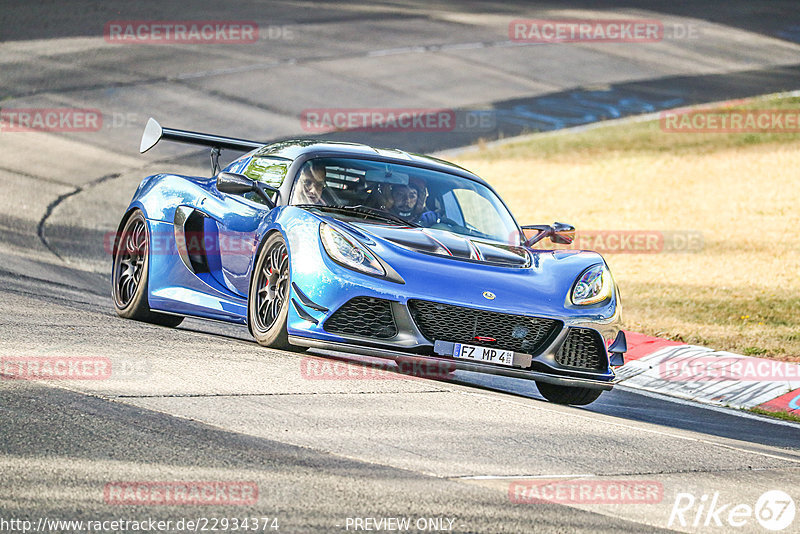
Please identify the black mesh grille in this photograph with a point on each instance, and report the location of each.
(583, 349)
(445, 322)
(363, 316)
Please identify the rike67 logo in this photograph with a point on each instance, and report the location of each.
(774, 510)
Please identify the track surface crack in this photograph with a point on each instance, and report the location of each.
(40, 227)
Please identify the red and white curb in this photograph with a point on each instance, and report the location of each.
(708, 376)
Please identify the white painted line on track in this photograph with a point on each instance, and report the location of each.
(515, 477)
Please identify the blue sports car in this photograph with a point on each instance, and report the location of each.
(371, 251)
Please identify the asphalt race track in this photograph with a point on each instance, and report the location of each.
(205, 403)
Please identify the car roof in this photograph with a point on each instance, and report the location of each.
(296, 148)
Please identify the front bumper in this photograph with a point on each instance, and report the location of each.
(544, 362)
(454, 364)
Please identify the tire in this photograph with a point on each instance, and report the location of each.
(130, 274)
(268, 301)
(575, 396)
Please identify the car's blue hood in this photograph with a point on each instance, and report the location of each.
(524, 282)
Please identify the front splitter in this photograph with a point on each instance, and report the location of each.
(566, 381)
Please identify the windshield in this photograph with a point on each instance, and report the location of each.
(402, 194)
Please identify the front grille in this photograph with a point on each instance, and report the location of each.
(363, 316)
(583, 349)
(445, 322)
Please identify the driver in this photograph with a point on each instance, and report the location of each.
(408, 202)
(312, 185)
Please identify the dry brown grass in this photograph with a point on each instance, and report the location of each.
(741, 292)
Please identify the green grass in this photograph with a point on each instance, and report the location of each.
(785, 416)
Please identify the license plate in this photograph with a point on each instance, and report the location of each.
(483, 354)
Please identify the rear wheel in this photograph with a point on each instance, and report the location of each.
(268, 304)
(575, 396)
(130, 272)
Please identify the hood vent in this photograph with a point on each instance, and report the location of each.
(449, 244)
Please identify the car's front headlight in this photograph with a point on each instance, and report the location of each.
(592, 286)
(348, 252)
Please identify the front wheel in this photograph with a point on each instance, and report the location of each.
(268, 303)
(575, 396)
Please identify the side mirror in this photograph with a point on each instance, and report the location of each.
(560, 233)
(563, 234)
(234, 184)
(239, 184)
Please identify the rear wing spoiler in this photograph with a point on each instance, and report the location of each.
(153, 133)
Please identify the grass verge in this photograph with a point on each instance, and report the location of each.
(777, 415)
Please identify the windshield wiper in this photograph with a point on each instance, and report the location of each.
(365, 210)
(379, 213)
